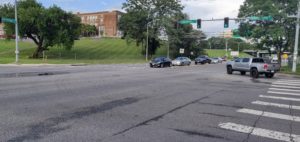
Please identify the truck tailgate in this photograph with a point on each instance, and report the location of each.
(273, 67)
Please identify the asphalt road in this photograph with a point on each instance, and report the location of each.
(134, 103)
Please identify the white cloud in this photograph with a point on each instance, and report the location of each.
(217, 9)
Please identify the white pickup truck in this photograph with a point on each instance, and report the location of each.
(255, 66)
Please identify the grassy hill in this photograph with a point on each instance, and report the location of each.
(222, 52)
(85, 51)
(91, 51)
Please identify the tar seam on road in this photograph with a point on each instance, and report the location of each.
(49, 126)
(159, 116)
(194, 133)
(254, 125)
(221, 105)
(291, 123)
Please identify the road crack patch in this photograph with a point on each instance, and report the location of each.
(51, 125)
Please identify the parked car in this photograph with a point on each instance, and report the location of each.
(255, 66)
(181, 61)
(161, 62)
(215, 61)
(202, 60)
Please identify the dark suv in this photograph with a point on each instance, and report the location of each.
(161, 62)
(202, 60)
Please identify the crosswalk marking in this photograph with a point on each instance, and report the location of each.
(276, 135)
(283, 86)
(284, 93)
(288, 81)
(270, 114)
(276, 105)
(280, 98)
(280, 89)
(291, 84)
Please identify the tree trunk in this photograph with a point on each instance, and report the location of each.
(37, 52)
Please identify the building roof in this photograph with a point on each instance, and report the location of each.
(100, 12)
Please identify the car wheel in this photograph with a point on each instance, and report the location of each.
(243, 73)
(196, 63)
(269, 75)
(229, 70)
(162, 65)
(254, 73)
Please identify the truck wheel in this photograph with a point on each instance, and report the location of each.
(254, 73)
(269, 75)
(229, 70)
(243, 73)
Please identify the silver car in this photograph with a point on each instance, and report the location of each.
(181, 61)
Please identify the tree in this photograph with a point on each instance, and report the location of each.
(47, 27)
(154, 14)
(88, 30)
(278, 33)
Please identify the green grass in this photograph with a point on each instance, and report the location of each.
(288, 70)
(91, 51)
(221, 53)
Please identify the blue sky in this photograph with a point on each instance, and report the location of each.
(85, 5)
(204, 9)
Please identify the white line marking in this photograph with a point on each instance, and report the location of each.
(280, 98)
(288, 81)
(284, 93)
(291, 84)
(279, 89)
(276, 105)
(282, 86)
(270, 114)
(276, 135)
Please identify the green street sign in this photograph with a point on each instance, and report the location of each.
(187, 21)
(8, 20)
(264, 18)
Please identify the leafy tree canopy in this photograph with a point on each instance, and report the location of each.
(47, 27)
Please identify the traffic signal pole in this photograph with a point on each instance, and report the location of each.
(294, 69)
(16, 34)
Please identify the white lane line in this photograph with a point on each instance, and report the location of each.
(280, 89)
(280, 98)
(284, 93)
(288, 81)
(276, 135)
(290, 84)
(283, 86)
(276, 105)
(270, 114)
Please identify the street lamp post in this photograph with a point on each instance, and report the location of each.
(16, 33)
(147, 44)
(296, 41)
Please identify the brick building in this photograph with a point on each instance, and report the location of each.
(106, 22)
(1, 30)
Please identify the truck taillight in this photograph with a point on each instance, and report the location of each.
(265, 66)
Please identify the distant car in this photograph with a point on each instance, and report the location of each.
(215, 60)
(181, 61)
(161, 62)
(202, 60)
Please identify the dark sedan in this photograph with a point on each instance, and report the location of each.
(161, 62)
(202, 60)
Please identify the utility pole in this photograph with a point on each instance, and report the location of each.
(147, 44)
(16, 33)
(296, 41)
(226, 44)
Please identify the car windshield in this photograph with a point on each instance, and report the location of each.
(158, 59)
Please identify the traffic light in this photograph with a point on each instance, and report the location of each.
(0, 19)
(198, 23)
(226, 22)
